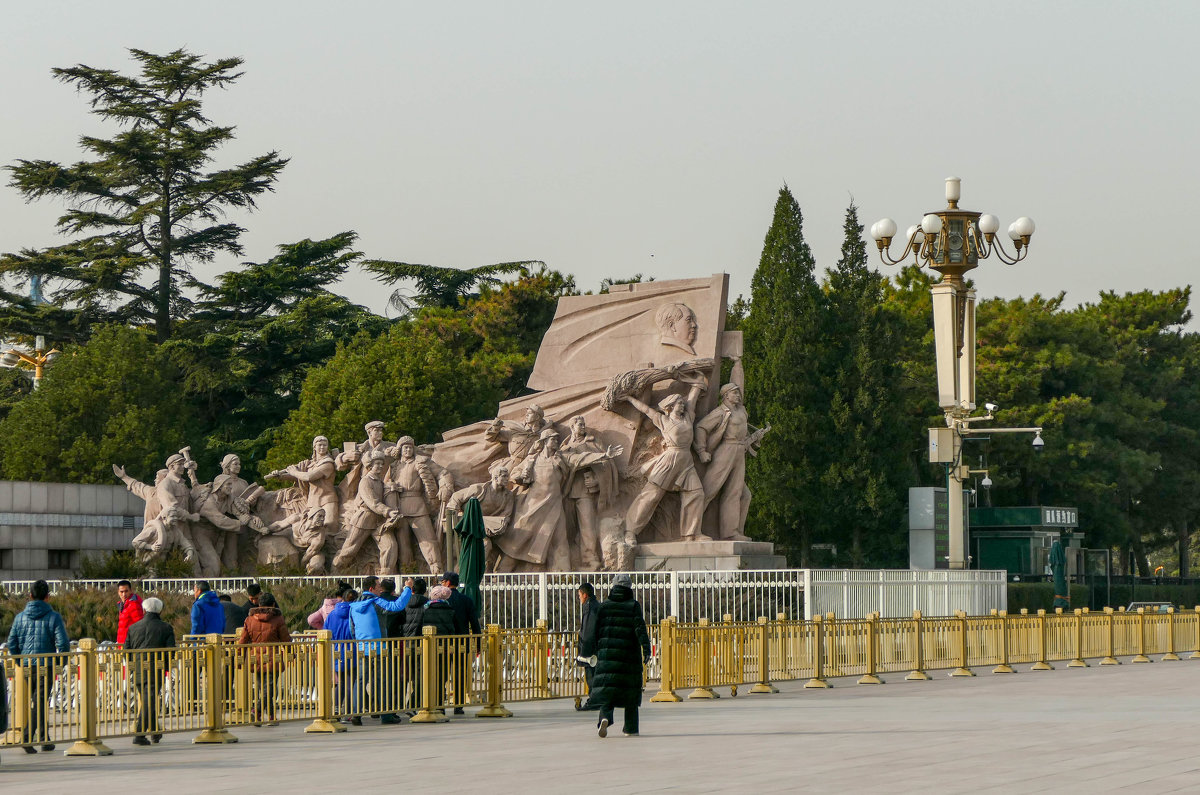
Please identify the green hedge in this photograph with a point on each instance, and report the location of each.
(92, 613)
(1034, 596)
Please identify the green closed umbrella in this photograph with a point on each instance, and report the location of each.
(471, 558)
(1058, 567)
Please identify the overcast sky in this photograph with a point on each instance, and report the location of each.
(623, 137)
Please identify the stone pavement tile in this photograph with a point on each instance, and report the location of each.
(1088, 730)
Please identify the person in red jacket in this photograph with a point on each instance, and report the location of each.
(130, 610)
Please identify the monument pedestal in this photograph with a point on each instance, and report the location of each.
(707, 556)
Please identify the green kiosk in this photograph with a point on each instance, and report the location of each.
(1019, 539)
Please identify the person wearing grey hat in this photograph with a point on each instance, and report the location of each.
(151, 632)
(621, 645)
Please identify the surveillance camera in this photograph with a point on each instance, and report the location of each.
(986, 482)
(1038, 443)
(991, 407)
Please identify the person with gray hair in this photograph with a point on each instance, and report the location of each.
(151, 632)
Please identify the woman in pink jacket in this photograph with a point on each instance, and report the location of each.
(317, 620)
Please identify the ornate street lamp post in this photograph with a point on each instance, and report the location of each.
(952, 241)
(38, 358)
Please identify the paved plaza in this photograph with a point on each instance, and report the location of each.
(1068, 730)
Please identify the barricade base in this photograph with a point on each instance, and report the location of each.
(820, 684)
(1110, 661)
(494, 711)
(1141, 658)
(665, 696)
(429, 716)
(84, 748)
(1004, 668)
(962, 672)
(1041, 666)
(703, 692)
(764, 687)
(214, 736)
(322, 726)
(1078, 663)
(870, 679)
(917, 676)
(1169, 656)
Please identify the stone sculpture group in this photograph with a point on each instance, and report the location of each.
(626, 439)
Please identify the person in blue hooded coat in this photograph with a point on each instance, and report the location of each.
(38, 629)
(208, 617)
(380, 663)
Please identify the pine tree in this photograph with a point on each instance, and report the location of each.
(782, 342)
(146, 201)
(865, 479)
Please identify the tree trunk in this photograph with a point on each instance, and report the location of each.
(1139, 556)
(1184, 542)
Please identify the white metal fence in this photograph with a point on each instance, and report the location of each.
(852, 593)
(517, 600)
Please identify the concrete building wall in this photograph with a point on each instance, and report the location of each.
(47, 529)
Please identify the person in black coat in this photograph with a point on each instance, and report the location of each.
(622, 647)
(235, 615)
(149, 633)
(587, 623)
(415, 612)
(466, 614)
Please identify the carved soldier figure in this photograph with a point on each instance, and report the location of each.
(673, 469)
(221, 514)
(589, 491)
(306, 531)
(175, 499)
(353, 459)
(161, 531)
(723, 437)
(414, 484)
(520, 438)
(231, 468)
(496, 502)
(315, 480)
(539, 534)
(368, 514)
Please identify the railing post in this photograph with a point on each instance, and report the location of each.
(433, 692)
(1141, 622)
(667, 652)
(324, 722)
(1170, 655)
(818, 646)
(1003, 667)
(214, 693)
(543, 597)
(871, 676)
(918, 671)
(1078, 662)
(541, 632)
(89, 702)
(495, 676)
(1041, 664)
(1195, 655)
(764, 659)
(1110, 658)
(705, 651)
(964, 666)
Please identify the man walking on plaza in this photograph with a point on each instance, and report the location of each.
(622, 647)
(38, 629)
(587, 625)
(151, 632)
(208, 617)
(130, 610)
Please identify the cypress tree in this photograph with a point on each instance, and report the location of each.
(863, 483)
(782, 342)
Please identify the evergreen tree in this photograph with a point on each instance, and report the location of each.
(145, 202)
(112, 400)
(865, 481)
(782, 343)
(253, 336)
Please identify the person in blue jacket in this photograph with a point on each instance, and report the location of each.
(208, 617)
(344, 656)
(38, 629)
(379, 665)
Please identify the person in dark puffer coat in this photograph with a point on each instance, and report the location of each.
(622, 646)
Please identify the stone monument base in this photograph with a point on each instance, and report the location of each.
(707, 556)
